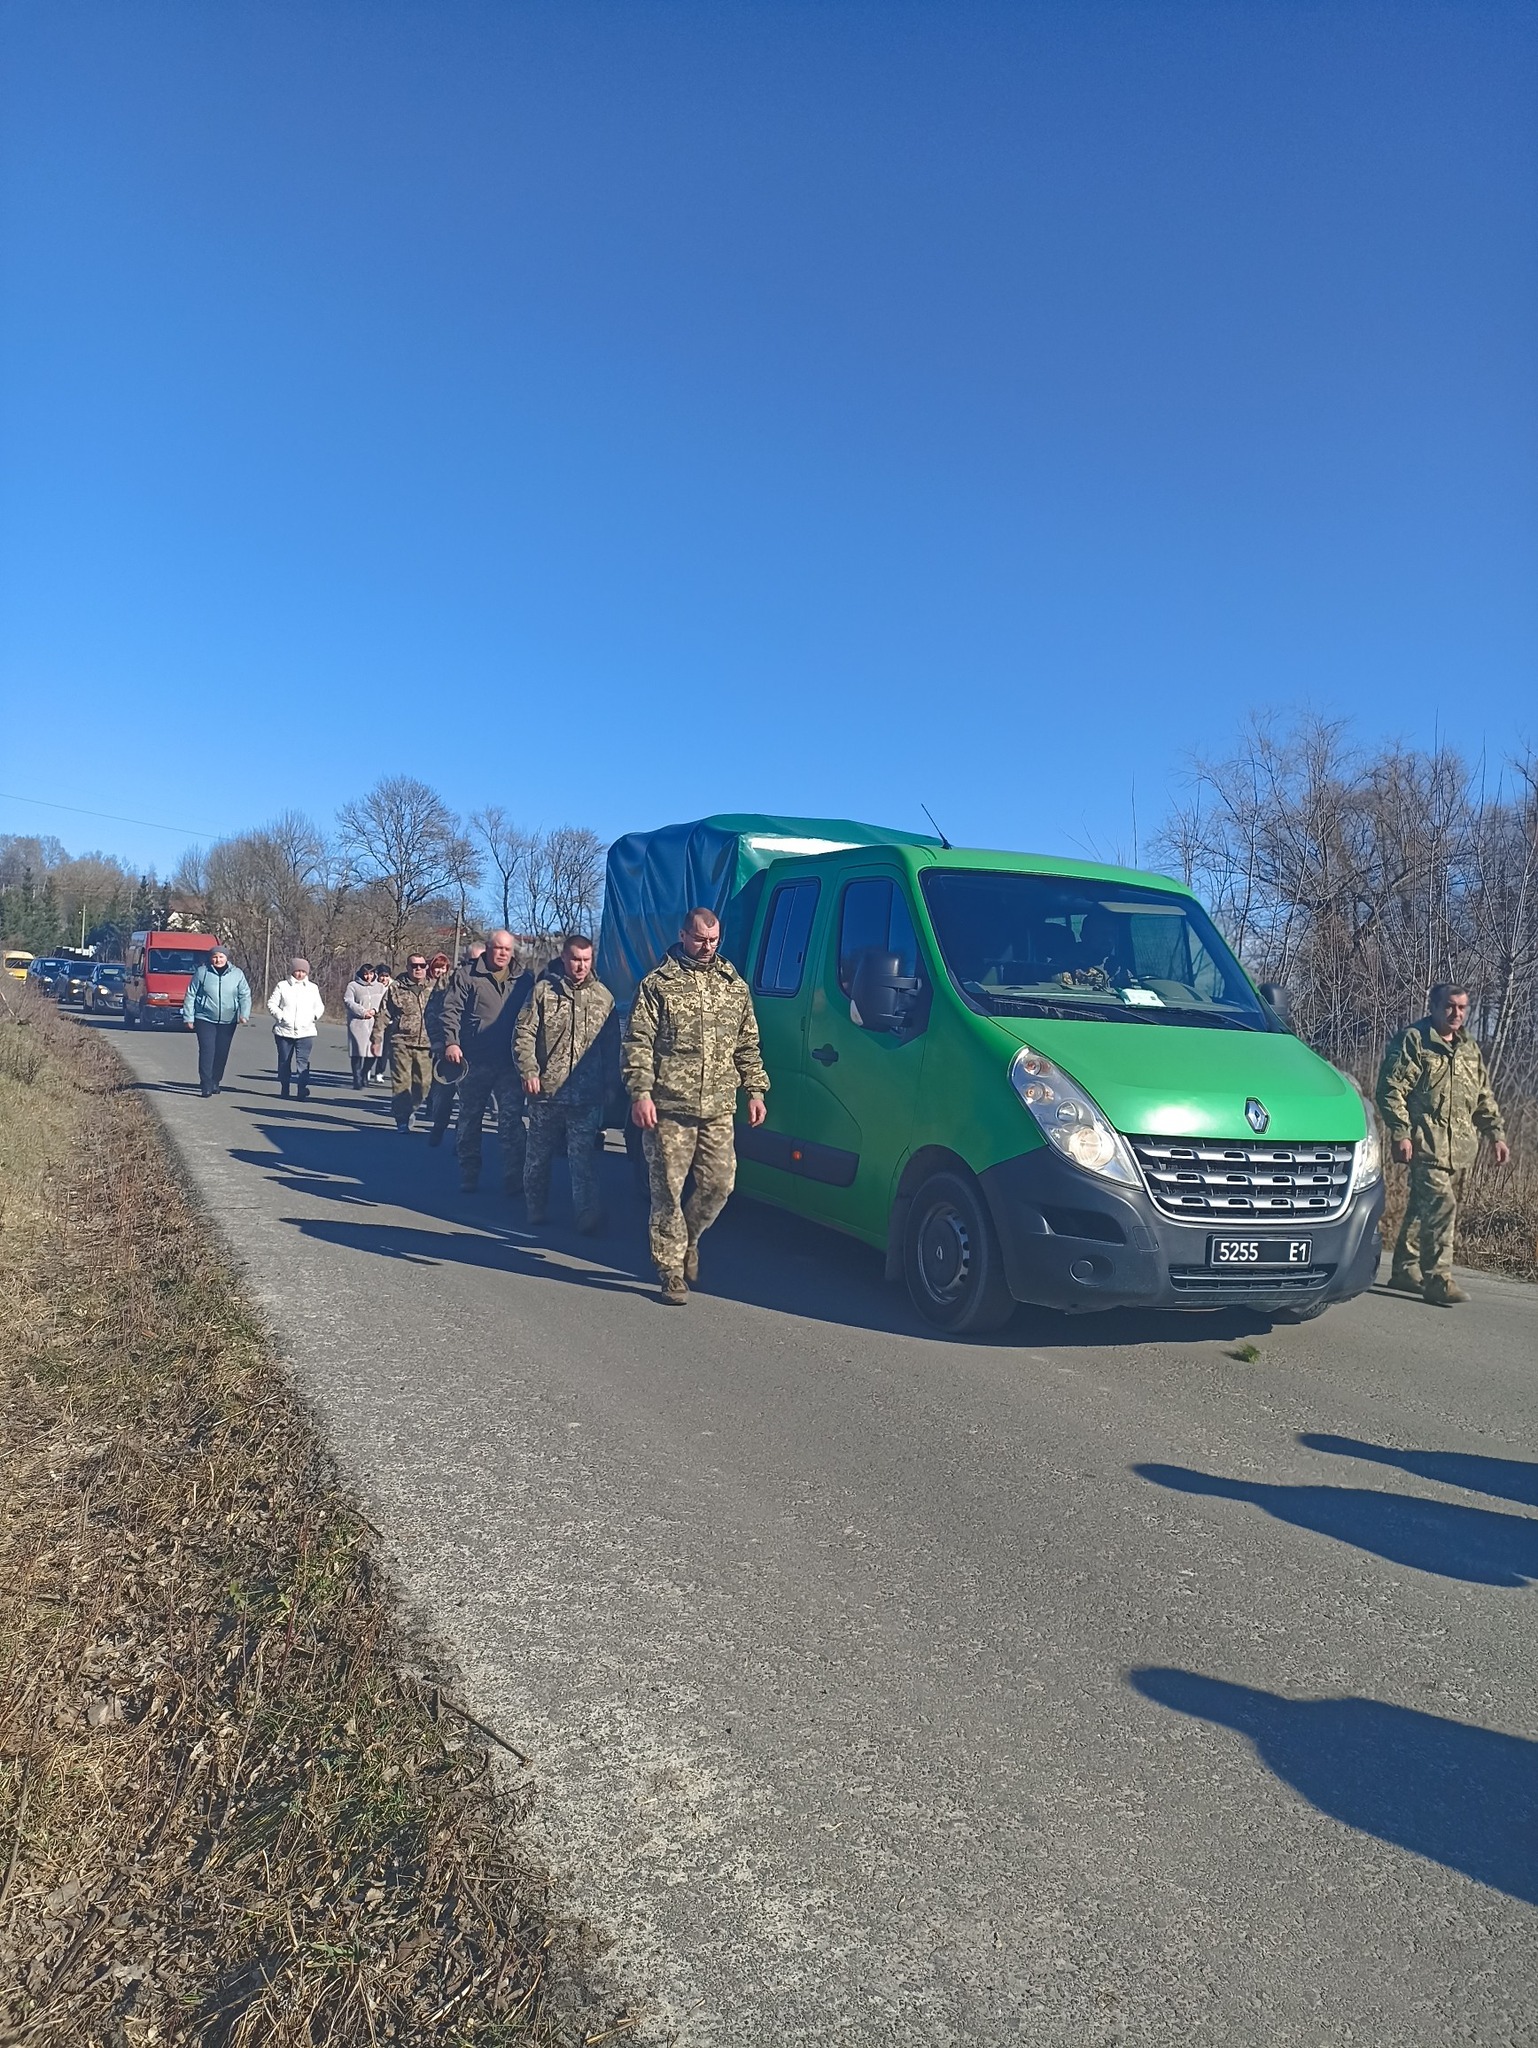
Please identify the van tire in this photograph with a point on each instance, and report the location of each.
(951, 1258)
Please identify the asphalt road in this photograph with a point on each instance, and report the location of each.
(1087, 1686)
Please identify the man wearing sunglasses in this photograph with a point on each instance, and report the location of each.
(403, 1016)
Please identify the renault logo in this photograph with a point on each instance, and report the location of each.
(1256, 1115)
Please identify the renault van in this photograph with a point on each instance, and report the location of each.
(1025, 1079)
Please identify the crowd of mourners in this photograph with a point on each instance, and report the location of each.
(545, 1053)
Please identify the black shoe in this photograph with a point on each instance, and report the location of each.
(283, 1091)
(208, 1091)
(304, 1095)
(403, 1125)
(435, 1136)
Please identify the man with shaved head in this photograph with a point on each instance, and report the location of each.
(692, 1043)
(480, 1008)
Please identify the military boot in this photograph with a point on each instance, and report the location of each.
(1404, 1281)
(692, 1262)
(1443, 1293)
(673, 1290)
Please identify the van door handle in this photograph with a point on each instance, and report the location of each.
(825, 1055)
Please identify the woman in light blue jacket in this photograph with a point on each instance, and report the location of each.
(218, 998)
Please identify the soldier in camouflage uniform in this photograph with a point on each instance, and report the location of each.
(403, 1014)
(566, 1043)
(1435, 1099)
(692, 1042)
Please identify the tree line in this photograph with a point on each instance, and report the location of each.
(398, 871)
(1357, 876)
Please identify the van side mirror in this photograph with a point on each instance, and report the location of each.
(1275, 998)
(881, 994)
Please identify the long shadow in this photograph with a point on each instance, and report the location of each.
(1464, 1797)
(1478, 1545)
(340, 1146)
(1504, 1478)
(503, 1254)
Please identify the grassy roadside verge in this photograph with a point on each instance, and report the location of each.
(229, 1814)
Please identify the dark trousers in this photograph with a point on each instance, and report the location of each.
(294, 1062)
(214, 1042)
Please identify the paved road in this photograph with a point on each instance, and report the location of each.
(1087, 1687)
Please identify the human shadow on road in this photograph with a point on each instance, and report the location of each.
(484, 1248)
(1505, 1478)
(1481, 1546)
(1461, 1796)
(756, 1254)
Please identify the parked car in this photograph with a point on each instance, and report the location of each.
(72, 981)
(1020, 1078)
(159, 969)
(17, 962)
(42, 971)
(104, 991)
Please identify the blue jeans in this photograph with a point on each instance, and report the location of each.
(294, 1060)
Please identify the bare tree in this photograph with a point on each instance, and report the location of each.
(404, 837)
(507, 848)
(571, 862)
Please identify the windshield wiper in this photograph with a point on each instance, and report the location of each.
(1106, 1013)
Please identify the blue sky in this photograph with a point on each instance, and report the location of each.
(631, 410)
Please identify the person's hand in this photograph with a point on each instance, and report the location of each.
(756, 1110)
(1502, 1152)
(643, 1114)
(454, 1055)
(531, 1086)
(1403, 1151)
(189, 1024)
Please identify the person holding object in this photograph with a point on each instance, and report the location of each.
(361, 1000)
(218, 998)
(566, 1042)
(692, 1042)
(297, 1009)
(1436, 1101)
(404, 1015)
(480, 1007)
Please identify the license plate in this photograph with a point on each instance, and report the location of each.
(1260, 1251)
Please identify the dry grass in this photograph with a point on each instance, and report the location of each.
(1498, 1221)
(228, 1813)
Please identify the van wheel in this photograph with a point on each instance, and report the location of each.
(951, 1258)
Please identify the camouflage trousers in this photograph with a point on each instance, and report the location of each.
(552, 1127)
(411, 1075)
(678, 1143)
(480, 1083)
(1424, 1248)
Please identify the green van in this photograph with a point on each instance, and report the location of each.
(1023, 1079)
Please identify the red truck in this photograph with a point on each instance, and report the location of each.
(159, 967)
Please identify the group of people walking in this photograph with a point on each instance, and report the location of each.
(548, 1048)
(548, 1052)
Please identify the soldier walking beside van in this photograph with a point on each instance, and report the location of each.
(567, 1046)
(480, 1007)
(1435, 1099)
(403, 1013)
(692, 1042)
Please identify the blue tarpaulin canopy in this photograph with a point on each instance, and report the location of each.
(655, 878)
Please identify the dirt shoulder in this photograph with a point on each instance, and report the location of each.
(231, 1808)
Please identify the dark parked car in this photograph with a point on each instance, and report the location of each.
(72, 980)
(41, 973)
(104, 990)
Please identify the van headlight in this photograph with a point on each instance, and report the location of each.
(1369, 1153)
(1068, 1119)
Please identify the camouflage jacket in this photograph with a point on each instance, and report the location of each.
(1438, 1095)
(693, 1039)
(568, 1037)
(403, 1014)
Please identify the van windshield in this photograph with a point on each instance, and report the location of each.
(175, 959)
(1065, 946)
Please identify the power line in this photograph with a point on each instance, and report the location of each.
(148, 824)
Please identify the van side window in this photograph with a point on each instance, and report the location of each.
(874, 915)
(782, 955)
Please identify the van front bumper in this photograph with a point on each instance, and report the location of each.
(1074, 1241)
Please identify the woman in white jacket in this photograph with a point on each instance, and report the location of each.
(297, 1009)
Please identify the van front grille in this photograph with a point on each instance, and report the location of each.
(1200, 1178)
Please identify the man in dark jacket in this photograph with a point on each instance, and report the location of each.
(480, 1008)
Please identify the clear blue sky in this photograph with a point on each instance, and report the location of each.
(626, 411)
